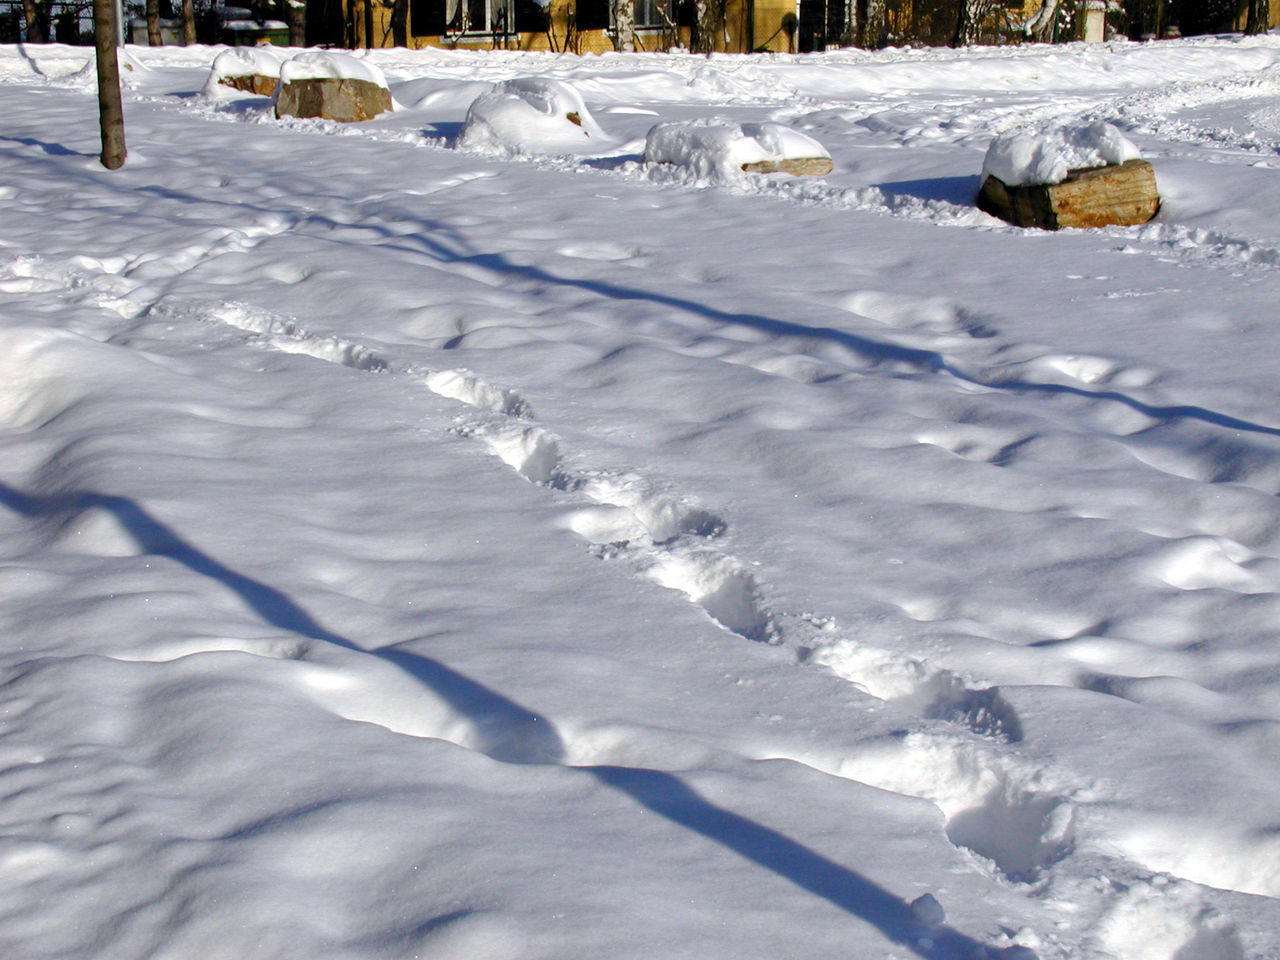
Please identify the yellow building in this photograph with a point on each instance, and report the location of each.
(578, 26)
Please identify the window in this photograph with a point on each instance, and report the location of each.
(479, 16)
(653, 13)
(427, 17)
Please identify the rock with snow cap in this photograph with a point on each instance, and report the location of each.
(331, 86)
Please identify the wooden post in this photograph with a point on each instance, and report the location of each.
(110, 112)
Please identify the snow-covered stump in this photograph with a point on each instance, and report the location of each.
(331, 86)
(1114, 195)
(1054, 178)
(721, 148)
(531, 115)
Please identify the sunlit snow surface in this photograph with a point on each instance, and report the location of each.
(411, 552)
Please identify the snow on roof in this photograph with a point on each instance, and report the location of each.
(326, 65)
(531, 115)
(721, 148)
(1045, 154)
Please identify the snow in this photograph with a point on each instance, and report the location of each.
(246, 62)
(240, 62)
(411, 549)
(327, 65)
(531, 115)
(717, 148)
(1032, 156)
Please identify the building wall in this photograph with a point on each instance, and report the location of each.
(749, 25)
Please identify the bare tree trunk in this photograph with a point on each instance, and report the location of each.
(36, 13)
(188, 22)
(701, 40)
(1259, 17)
(1040, 27)
(964, 24)
(624, 21)
(110, 112)
(295, 13)
(153, 23)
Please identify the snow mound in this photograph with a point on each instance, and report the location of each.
(1031, 155)
(531, 115)
(720, 149)
(238, 62)
(326, 65)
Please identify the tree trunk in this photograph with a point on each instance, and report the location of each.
(295, 12)
(964, 24)
(1040, 27)
(110, 112)
(153, 23)
(1259, 17)
(624, 21)
(188, 22)
(700, 40)
(36, 13)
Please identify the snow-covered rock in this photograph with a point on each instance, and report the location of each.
(1038, 155)
(531, 115)
(332, 86)
(722, 149)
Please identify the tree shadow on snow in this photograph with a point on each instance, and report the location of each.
(50, 149)
(445, 245)
(512, 733)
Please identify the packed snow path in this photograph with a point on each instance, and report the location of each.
(413, 552)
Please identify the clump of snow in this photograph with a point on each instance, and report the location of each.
(241, 62)
(927, 911)
(720, 149)
(531, 115)
(1030, 155)
(326, 65)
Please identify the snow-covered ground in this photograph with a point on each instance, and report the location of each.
(411, 551)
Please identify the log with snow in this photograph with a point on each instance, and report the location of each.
(720, 149)
(250, 69)
(531, 115)
(1038, 155)
(1055, 177)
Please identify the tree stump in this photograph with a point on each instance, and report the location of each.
(1116, 195)
(347, 100)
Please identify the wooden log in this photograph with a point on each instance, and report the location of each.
(1115, 195)
(261, 84)
(797, 166)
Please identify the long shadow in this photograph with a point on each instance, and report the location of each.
(50, 149)
(875, 351)
(504, 730)
(925, 361)
(512, 733)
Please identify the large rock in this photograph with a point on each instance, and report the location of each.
(347, 99)
(1114, 195)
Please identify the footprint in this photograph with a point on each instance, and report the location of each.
(728, 593)
(1097, 370)
(928, 315)
(1208, 563)
(927, 691)
(1163, 920)
(990, 804)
